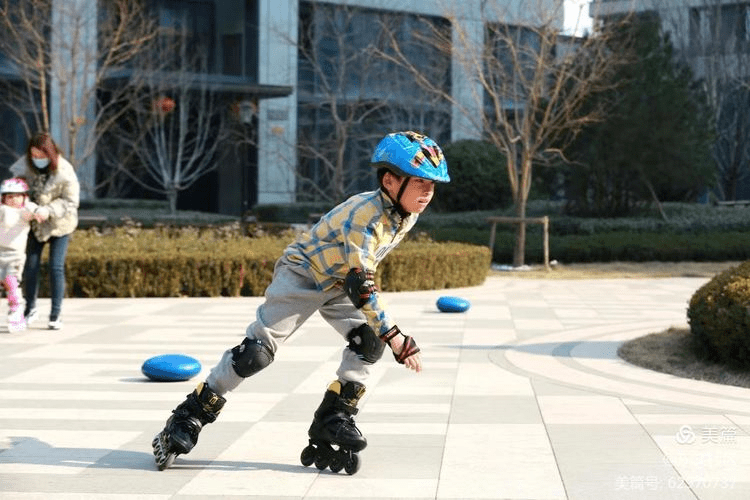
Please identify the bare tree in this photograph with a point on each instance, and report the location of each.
(348, 97)
(333, 100)
(65, 51)
(528, 85)
(176, 124)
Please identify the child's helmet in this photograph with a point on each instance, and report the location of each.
(411, 154)
(13, 186)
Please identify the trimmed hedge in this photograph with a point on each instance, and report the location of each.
(693, 231)
(428, 265)
(624, 246)
(719, 317)
(130, 261)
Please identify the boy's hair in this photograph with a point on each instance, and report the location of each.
(43, 141)
(381, 173)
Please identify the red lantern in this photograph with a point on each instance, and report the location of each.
(163, 105)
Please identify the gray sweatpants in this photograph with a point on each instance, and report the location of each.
(290, 299)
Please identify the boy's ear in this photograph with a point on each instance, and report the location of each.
(390, 181)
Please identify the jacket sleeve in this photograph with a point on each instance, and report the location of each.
(69, 198)
(8, 217)
(31, 206)
(360, 245)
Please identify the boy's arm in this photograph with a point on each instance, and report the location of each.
(359, 285)
(360, 246)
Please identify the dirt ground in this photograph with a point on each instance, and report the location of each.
(616, 270)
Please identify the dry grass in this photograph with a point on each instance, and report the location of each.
(672, 352)
(613, 270)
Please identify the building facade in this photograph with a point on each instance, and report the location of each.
(713, 38)
(256, 58)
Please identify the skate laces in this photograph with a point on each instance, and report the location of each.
(339, 420)
(187, 422)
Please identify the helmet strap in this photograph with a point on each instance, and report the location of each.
(399, 207)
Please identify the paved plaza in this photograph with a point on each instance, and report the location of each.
(522, 397)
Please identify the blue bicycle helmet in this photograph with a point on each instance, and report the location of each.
(411, 154)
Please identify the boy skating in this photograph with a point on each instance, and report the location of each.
(331, 270)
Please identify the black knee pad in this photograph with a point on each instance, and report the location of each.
(365, 343)
(250, 357)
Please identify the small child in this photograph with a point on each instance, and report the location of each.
(331, 270)
(16, 211)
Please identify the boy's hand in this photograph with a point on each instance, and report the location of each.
(404, 349)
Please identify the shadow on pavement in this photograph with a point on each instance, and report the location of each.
(580, 349)
(30, 450)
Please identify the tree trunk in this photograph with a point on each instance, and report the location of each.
(523, 187)
(656, 199)
(172, 198)
(519, 250)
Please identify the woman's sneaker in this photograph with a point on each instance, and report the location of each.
(55, 324)
(31, 316)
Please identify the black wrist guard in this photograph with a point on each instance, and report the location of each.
(409, 347)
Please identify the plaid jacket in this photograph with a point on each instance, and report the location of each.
(360, 232)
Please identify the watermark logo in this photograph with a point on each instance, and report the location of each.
(685, 435)
(708, 435)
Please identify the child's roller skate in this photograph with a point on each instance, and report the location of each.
(180, 434)
(16, 321)
(333, 425)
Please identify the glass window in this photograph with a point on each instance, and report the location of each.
(191, 23)
(345, 89)
(720, 29)
(512, 60)
(251, 40)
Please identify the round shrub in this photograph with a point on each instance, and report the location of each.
(479, 179)
(719, 316)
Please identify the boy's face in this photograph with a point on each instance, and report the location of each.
(416, 196)
(14, 200)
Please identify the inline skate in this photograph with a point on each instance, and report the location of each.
(335, 440)
(180, 434)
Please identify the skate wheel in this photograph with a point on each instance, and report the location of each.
(308, 456)
(352, 465)
(321, 462)
(166, 462)
(338, 461)
(162, 458)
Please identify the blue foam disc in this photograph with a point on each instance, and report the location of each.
(452, 304)
(171, 367)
